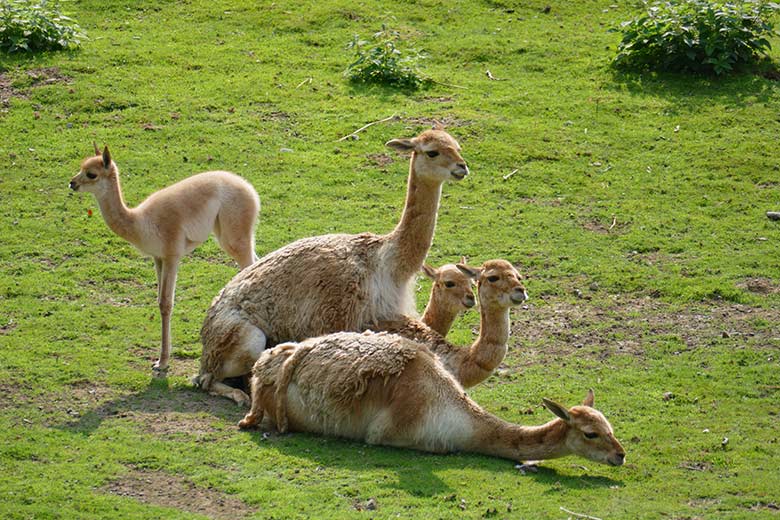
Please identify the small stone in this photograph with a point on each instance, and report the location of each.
(668, 396)
(371, 504)
(725, 334)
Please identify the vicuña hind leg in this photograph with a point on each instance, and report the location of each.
(242, 345)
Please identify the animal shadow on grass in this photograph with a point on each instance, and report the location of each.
(156, 398)
(416, 471)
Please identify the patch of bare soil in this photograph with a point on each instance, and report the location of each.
(7, 91)
(39, 77)
(47, 76)
(164, 490)
(165, 424)
(380, 160)
(631, 325)
(447, 122)
(760, 285)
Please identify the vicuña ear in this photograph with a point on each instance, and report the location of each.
(437, 125)
(557, 409)
(97, 150)
(588, 399)
(402, 145)
(429, 271)
(106, 157)
(471, 272)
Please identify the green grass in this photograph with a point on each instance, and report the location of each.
(685, 167)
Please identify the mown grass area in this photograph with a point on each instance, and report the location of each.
(637, 212)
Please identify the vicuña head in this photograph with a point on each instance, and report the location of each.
(499, 285)
(94, 172)
(587, 432)
(435, 156)
(452, 292)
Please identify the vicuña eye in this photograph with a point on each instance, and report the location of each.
(432, 153)
(92, 175)
(590, 435)
(449, 285)
(492, 279)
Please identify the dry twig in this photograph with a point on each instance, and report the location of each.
(505, 177)
(492, 77)
(614, 221)
(353, 135)
(579, 515)
(307, 80)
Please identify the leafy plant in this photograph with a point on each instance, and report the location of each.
(36, 26)
(697, 35)
(381, 61)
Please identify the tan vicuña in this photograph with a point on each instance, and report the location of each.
(381, 388)
(173, 221)
(329, 283)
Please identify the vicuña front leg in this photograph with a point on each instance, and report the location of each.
(168, 268)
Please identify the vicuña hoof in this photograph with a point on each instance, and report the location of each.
(159, 372)
(528, 467)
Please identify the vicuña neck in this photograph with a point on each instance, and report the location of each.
(437, 319)
(117, 215)
(496, 437)
(413, 235)
(490, 347)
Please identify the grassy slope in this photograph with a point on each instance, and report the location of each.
(178, 88)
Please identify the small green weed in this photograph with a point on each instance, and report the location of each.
(381, 61)
(697, 36)
(36, 26)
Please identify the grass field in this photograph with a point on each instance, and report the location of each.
(636, 209)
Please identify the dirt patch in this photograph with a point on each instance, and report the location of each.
(631, 325)
(38, 77)
(161, 489)
(7, 91)
(596, 226)
(8, 327)
(448, 122)
(381, 160)
(276, 115)
(760, 286)
(166, 424)
(766, 506)
(439, 99)
(47, 76)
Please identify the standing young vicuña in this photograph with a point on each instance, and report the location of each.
(385, 389)
(174, 221)
(499, 288)
(329, 283)
(452, 292)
